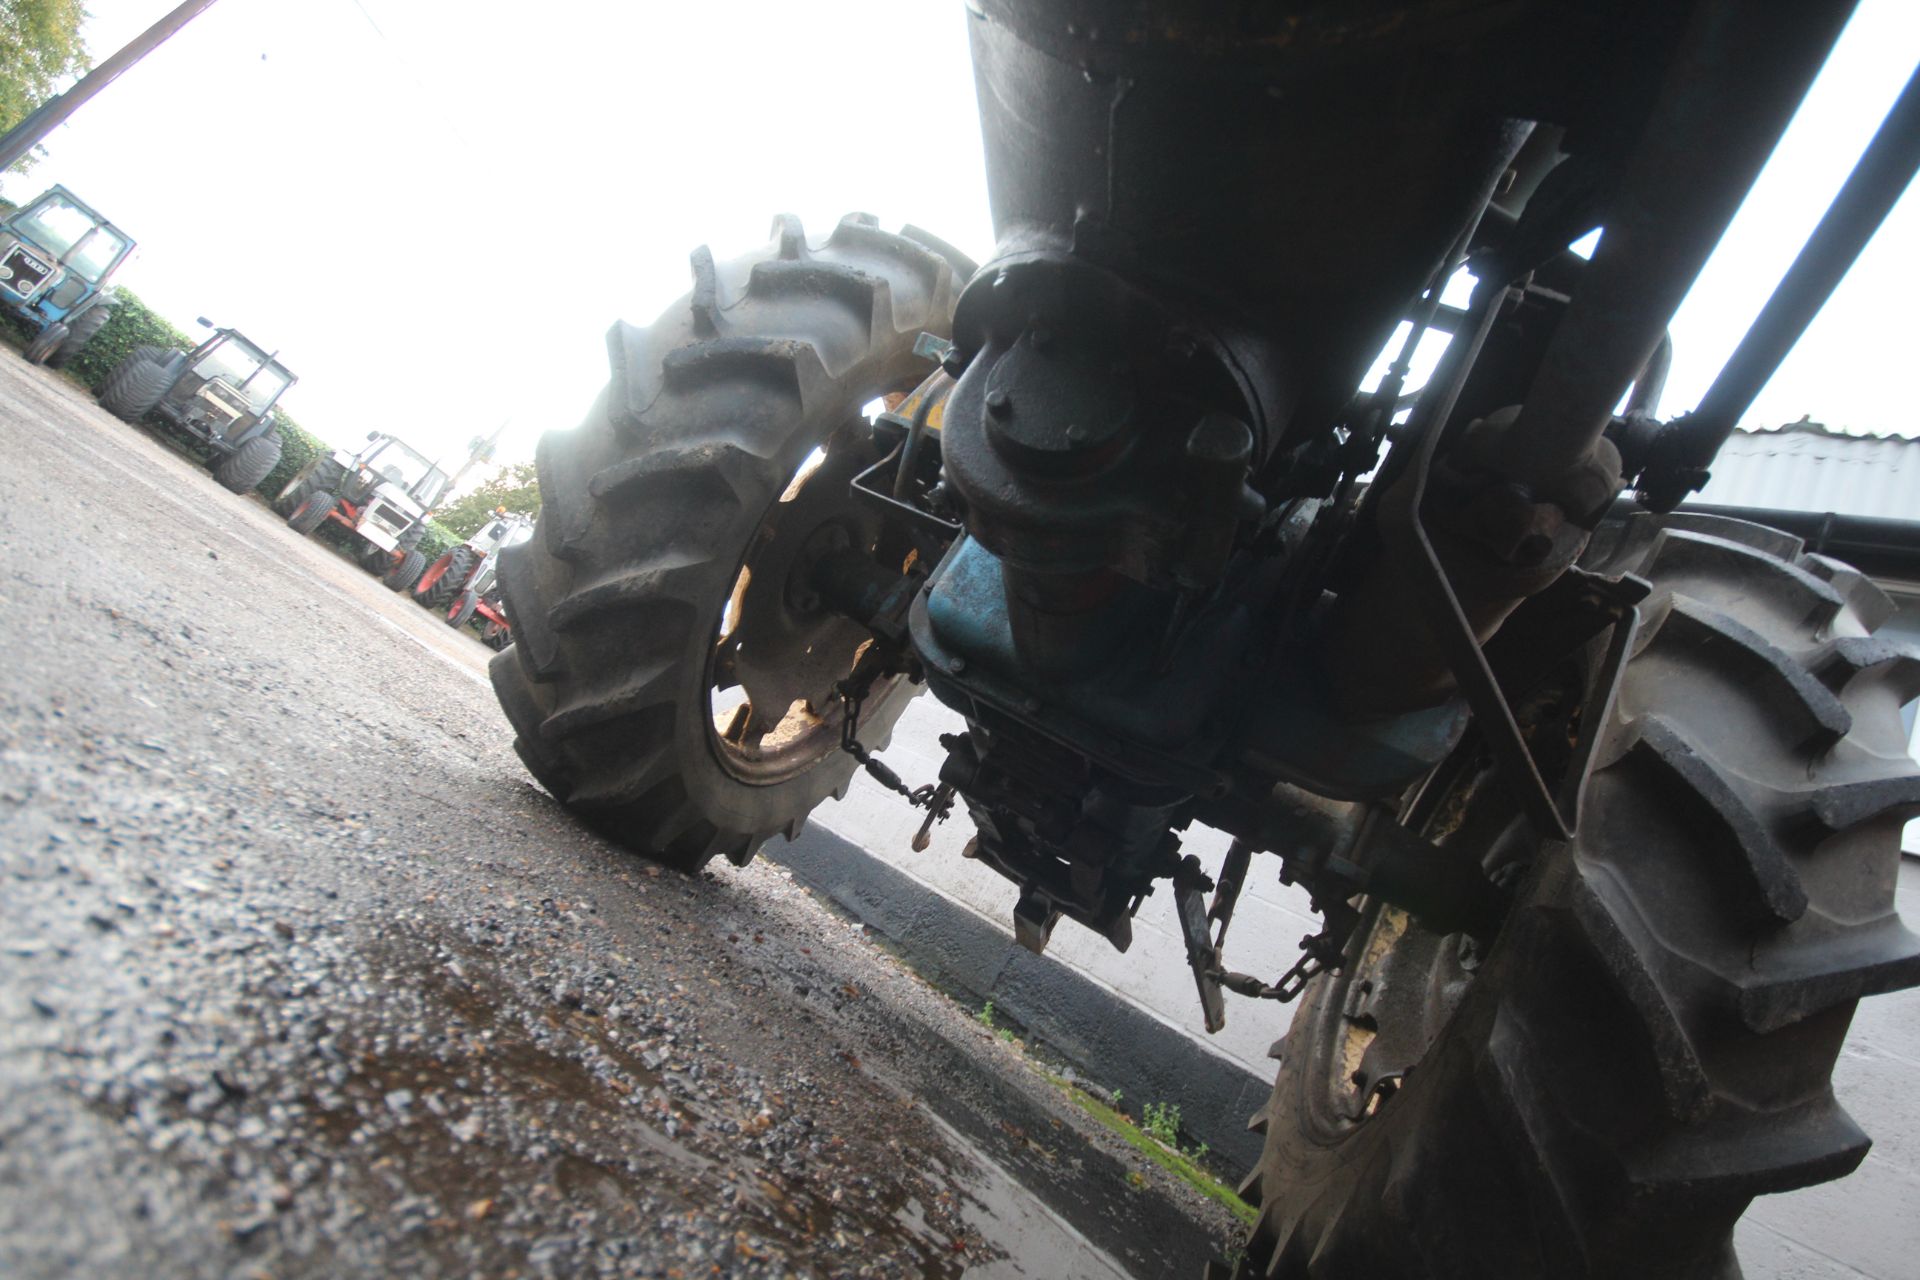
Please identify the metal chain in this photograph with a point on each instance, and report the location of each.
(938, 801)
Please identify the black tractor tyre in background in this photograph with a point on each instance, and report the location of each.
(321, 473)
(650, 509)
(45, 343)
(312, 511)
(136, 384)
(461, 611)
(446, 577)
(405, 571)
(79, 334)
(244, 468)
(1648, 1043)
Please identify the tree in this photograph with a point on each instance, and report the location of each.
(514, 487)
(39, 45)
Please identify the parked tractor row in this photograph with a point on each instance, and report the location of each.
(57, 258)
(383, 495)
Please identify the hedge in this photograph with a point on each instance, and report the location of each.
(133, 324)
(298, 446)
(439, 541)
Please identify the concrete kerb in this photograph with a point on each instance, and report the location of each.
(1112, 1042)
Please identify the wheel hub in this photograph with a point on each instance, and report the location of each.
(776, 643)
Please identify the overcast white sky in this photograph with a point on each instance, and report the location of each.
(435, 208)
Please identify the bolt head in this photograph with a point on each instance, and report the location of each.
(999, 403)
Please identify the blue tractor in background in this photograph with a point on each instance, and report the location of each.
(56, 256)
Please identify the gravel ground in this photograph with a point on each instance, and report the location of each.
(300, 975)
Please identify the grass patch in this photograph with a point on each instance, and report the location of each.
(1172, 1161)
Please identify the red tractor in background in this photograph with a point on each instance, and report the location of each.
(382, 494)
(461, 582)
(482, 600)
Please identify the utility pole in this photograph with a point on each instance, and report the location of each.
(49, 115)
(479, 449)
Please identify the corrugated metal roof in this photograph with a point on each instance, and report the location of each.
(1804, 466)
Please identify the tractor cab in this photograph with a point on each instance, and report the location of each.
(382, 493)
(227, 387)
(387, 489)
(506, 529)
(389, 462)
(57, 255)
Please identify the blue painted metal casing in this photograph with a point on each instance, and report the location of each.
(967, 607)
(1222, 705)
(1150, 727)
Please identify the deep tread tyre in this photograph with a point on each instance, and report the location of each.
(136, 384)
(79, 334)
(461, 611)
(649, 507)
(322, 473)
(312, 511)
(445, 578)
(1649, 1042)
(405, 571)
(45, 343)
(244, 468)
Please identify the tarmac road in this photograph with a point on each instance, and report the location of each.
(300, 975)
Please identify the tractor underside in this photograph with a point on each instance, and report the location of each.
(1598, 803)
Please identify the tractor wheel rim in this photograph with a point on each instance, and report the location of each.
(1391, 1003)
(802, 649)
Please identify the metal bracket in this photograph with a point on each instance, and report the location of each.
(1462, 649)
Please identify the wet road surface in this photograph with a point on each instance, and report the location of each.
(301, 976)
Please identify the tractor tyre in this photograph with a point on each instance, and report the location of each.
(312, 512)
(405, 571)
(45, 343)
(322, 473)
(244, 468)
(1647, 1044)
(81, 332)
(136, 384)
(635, 609)
(445, 578)
(461, 611)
